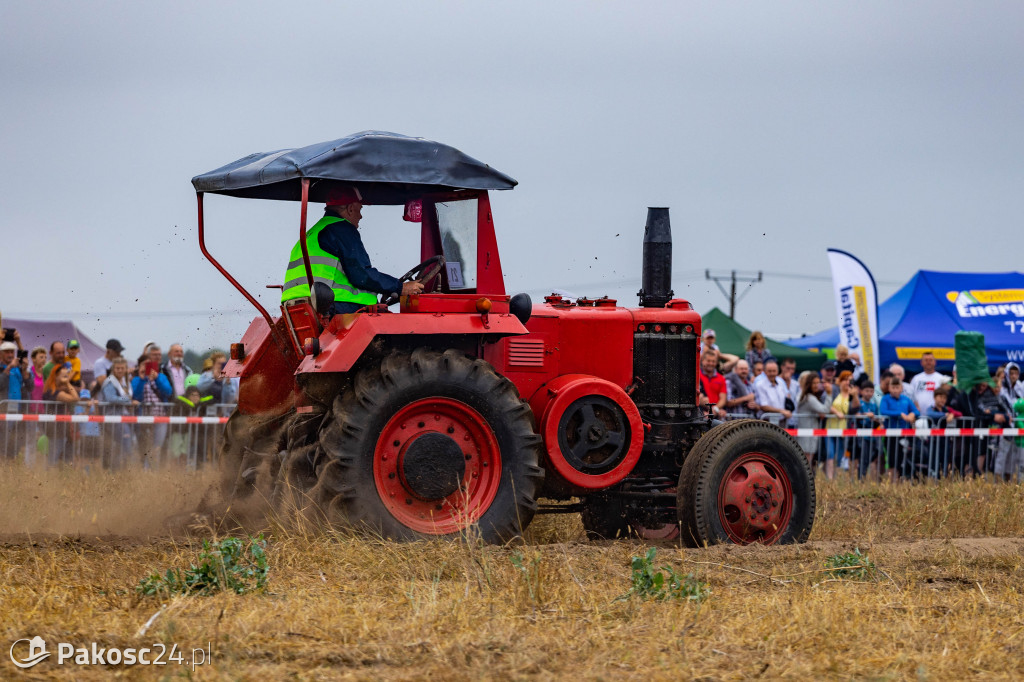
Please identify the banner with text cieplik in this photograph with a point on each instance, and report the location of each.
(857, 308)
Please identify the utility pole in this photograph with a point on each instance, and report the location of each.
(732, 278)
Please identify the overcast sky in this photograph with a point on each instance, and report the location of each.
(772, 130)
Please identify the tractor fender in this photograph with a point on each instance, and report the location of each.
(266, 371)
(347, 337)
(550, 404)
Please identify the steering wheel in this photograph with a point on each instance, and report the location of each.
(423, 272)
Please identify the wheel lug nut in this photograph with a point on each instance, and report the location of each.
(408, 500)
(451, 429)
(391, 475)
(748, 500)
(768, 487)
(437, 417)
(766, 518)
(397, 443)
(468, 456)
(421, 424)
(775, 503)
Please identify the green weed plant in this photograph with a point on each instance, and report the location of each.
(663, 583)
(230, 565)
(851, 565)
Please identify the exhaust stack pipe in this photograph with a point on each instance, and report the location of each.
(656, 281)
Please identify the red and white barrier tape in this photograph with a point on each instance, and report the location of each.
(108, 419)
(849, 433)
(888, 433)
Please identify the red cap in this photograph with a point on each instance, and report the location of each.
(341, 196)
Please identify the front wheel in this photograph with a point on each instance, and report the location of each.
(430, 444)
(745, 482)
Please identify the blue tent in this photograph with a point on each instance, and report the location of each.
(929, 309)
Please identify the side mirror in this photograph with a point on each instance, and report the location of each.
(521, 306)
(323, 298)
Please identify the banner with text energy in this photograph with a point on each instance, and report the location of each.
(857, 308)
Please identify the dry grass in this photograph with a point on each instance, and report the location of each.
(945, 604)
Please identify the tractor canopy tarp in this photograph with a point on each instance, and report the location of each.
(928, 311)
(388, 168)
(732, 337)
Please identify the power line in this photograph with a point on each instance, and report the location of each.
(733, 279)
(36, 314)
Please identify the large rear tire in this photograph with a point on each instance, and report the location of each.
(430, 444)
(745, 482)
(250, 454)
(297, 474)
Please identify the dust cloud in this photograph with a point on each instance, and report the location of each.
(78, 501)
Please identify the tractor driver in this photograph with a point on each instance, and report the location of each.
(339, 259)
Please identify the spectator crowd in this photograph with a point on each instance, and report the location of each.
(59, 381)
(842, 396)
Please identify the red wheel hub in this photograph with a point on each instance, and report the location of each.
(755, 499)
(437, 466)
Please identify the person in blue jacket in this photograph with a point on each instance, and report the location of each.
(900, 412)
(900, 409)
(153, 390)
(157, 382)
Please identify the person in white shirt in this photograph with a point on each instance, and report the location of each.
(771, 393)
(101, 368)
(787, 375)
(176, 370)
(923, 385)
(900, 374)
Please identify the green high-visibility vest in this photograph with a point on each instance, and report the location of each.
(326, 268)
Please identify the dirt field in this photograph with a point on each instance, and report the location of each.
(944, 603)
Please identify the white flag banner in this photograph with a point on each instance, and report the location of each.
(857, 308)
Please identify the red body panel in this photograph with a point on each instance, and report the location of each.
(570, 339)
(347, 337)
(267, 370)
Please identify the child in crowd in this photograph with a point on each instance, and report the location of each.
(941, 414)
(188, 441)
(847, 402)
(89, 432)
(866, 448)
(75, 362)
(900, 413)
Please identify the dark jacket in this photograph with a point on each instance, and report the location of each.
(342, 240)
(983, 407)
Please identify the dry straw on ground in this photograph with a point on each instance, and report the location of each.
(945, 602)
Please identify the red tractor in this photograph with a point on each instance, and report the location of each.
(467, 406)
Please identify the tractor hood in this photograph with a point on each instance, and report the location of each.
(386, 167)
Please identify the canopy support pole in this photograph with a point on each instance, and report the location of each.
(220, 268)
(302, 235)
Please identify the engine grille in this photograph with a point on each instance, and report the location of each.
(527, 353)
(667, 365)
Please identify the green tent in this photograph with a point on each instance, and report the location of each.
(732, 337)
